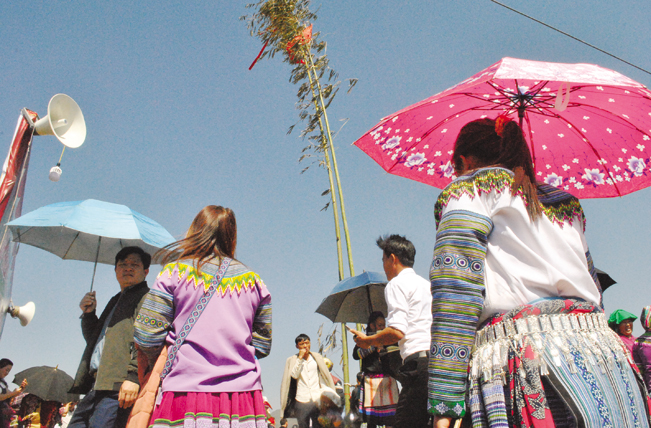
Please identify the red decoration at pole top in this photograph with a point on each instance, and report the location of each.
(302, 39)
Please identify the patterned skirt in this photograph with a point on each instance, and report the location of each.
(378, 399)
(204, 409)
(554, 363)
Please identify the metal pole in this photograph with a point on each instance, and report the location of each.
(99, 242)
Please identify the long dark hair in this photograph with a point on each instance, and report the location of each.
(509, 149)
(372, 318)
(213, 233)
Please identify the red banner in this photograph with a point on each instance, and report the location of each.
(12, 188)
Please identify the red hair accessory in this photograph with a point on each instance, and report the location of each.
(500, 123)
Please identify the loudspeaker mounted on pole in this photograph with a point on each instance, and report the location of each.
(23, 313)
(66, 122)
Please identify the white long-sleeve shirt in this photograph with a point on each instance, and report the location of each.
(306, 373)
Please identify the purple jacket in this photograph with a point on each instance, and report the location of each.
(642, 348)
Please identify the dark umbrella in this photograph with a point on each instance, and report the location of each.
(353, 299)
(47, 383)
(604, 279)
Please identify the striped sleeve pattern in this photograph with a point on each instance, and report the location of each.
(457, 276)
(262, 330)
(363, 353)
(154, 319)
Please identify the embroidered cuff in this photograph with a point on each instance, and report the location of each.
(446, 408)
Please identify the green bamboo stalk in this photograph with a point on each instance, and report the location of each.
(329, 147)
(334, 160)
(332, 190)
(344, 331)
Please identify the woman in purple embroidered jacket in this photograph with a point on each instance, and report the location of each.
(214, 378)
(519, 337)
(642, 348)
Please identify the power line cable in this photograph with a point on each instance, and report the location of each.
(570, 36)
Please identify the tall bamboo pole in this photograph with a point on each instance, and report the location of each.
(331, 146)
(334, 161)
(329, 151)
(324, 142)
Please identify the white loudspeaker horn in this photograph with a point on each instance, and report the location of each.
(23, 313)
(64, 120)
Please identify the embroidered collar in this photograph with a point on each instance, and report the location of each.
(557, 205)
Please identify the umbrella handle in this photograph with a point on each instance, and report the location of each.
(92, 281)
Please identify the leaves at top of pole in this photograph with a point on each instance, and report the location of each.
(285, 27)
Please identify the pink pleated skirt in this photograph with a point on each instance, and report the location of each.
(205, 409)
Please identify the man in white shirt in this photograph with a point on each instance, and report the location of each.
(409, 320)
(305, 375)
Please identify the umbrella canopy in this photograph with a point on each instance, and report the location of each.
(88, 230)
(353, 299)
(605, 280)
(588, 127)
(47, 383)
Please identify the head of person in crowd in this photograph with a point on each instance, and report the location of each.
(284, 423)
(621, 322)
(5, 367)
(498, 142)
(302, 342)
(398, 253)
(328, 363)
(645, 319)
(376, 322)
(329, 399)
(360, 378)
(131, 266)
(30, 404)
(213, 233)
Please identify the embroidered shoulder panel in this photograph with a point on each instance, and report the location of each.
(484, 180)
(557, 205)
(238, 278)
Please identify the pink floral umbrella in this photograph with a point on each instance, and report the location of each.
(588, 127)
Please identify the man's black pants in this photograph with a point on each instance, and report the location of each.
(306, 411)
(412, 402)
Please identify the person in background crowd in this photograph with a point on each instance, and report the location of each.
(6, 412)
(329, 404)
(214, 377)
(339, 385)
(271, 421)
(29, 414)
(379, 392)
(642, 348)
(66, 412)
(621, 322)
(409, 321)
(108, 371)
(303, 379)
(354, 416)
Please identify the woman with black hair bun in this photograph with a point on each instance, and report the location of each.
(519, 337)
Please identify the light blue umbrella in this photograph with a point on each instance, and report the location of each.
(88, 230)
(354, 298)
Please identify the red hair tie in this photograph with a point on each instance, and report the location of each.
(500, 123)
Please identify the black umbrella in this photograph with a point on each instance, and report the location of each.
(353, 299)
(47, 383)
(604, 279)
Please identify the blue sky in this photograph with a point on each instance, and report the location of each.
(176, 121)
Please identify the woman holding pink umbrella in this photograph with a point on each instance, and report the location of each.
(518, 326)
